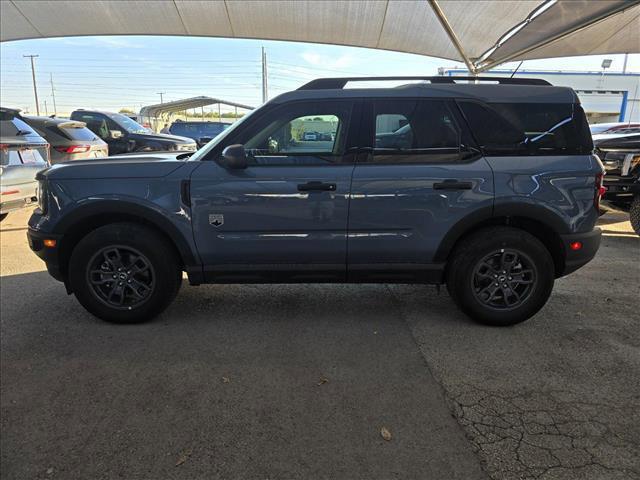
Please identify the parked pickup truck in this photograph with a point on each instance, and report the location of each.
(490, 188)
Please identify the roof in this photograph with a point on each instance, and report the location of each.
(452, 29)
(482, 92)
(186, 104)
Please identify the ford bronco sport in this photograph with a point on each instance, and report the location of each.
(486, 185)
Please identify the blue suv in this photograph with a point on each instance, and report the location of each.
(486, 185)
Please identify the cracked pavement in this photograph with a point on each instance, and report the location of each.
(557, 397)
(296, 381)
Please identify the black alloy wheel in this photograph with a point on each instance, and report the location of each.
(503, 279)
(121, 277)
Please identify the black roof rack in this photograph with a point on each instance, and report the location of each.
(338, 83)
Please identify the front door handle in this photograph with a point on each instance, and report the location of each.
(317, 187)
(452, 185)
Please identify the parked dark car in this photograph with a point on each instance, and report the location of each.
(69, 140)
(23, 153)
(124, 135)
(620, 154)
(496, 196)
(201, 132)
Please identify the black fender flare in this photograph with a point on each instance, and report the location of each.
(484, 215)
(128, 208)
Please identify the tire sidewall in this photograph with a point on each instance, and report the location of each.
(478, 247)
(153, 247)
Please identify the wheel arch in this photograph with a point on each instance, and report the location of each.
(77, 224)
(540, 222)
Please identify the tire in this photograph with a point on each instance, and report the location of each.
(474, 269)
(144, 265)
(3, 216)
(634, 214)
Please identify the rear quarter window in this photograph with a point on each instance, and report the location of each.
(76, 133)
(528, 128)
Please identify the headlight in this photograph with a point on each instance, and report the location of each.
(613, 161)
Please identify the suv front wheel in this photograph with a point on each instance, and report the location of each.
(124, 273)
(500, 276)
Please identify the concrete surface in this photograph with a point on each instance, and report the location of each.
(296, 381)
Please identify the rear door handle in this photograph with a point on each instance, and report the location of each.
(452, 185)
(317, 187)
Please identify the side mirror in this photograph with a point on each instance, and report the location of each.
(235, 157)
(115, 134)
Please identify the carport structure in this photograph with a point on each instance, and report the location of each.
(151, 113)
(481, 33)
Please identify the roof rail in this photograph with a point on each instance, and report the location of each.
(338, 83)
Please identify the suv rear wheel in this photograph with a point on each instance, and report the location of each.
(500, 276)
(634, 214)
(124, 273)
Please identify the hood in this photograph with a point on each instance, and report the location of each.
(162, 137)
(628, 141)
(151, 165)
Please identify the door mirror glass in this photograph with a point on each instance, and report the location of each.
(115, 134)
(235, 157)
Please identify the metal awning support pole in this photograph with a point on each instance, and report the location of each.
(452, 36)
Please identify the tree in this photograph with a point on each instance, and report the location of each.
(126, 111)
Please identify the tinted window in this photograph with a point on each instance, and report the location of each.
(415, 131)
(528, 128)
(300, 134)
(78, 133)
(96, 123)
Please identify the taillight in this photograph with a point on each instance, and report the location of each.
(600, 190)
(74, 149)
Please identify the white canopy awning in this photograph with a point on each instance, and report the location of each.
(152, 111)
(482, 33)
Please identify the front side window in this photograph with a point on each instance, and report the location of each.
(415, 131)
(300, 134)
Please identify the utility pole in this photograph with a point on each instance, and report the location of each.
(624, 65)
(161, 94)
(33, 76)
(265, 87)
(46, 112)
(53, 94)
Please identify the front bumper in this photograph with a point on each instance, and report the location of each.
(574, 259)
(50, 255)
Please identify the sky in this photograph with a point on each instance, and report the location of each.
(113, 72)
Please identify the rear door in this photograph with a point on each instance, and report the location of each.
(285, 216)
(418, 177)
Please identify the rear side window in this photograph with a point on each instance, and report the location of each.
(416, 131)
(528, 128)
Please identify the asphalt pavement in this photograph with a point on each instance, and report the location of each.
(305, 381)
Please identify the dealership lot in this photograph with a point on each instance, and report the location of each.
(297, 381)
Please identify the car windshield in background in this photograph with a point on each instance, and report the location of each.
(197, 130)
(127, 123)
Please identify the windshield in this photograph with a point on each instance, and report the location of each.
(128, 124)
(221, 136)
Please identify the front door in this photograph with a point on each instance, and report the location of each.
(420, 177)
(284, 218)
